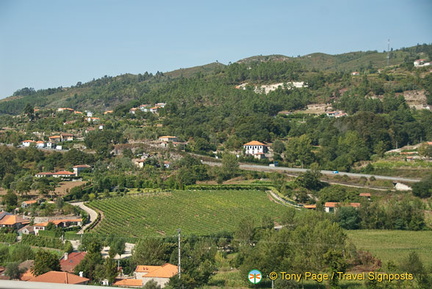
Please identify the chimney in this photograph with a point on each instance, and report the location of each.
(65, 257)
(81, 273)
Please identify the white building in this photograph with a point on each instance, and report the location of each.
(255, 148)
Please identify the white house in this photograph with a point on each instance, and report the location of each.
(421, 63)
(331, 207)
(40, 144)
(255, 148)
(27, 143)
(79, 168)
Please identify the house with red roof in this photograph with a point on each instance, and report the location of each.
(256, 149)
(7, 220)
(331, 207)
(129, 283)
(27, 143)
(159, 274)
(69, 261)
(60, 277)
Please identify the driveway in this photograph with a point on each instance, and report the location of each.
(92, 213)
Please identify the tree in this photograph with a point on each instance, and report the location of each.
(230, 165)
(310, 179)
(22, 252)
(45, 262)
(13, 271)
(150, 252)
(423, 189)
(348, 218)
(93, 259)
(10, 200)
(299, 149)
(278, 146)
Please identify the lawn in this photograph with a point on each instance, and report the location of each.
(195, 212)
(394, 245)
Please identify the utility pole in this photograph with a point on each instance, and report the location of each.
(179, 254)
(388, 52)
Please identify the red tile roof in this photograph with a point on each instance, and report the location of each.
(72, 261)
(365, 195)
(254, 143)
(60, 277)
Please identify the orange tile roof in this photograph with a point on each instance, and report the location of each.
(165, 271)
(355, 205)
(309, 206)
(365, 194)
(331, 204)
(56, 222)
(55, 136)
(254, 143)
(10, 220)
(27, 275)
(30, 202)
(29, 140)
(129, 282)
(59, 277)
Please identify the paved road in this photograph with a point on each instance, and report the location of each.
(324, 172)
(92, 213)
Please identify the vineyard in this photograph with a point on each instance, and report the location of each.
(195, 212)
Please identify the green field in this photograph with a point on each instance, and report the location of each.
(195, 212)
(394, 245)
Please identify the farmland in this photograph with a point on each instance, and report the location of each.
(195, 212)
(394, 245)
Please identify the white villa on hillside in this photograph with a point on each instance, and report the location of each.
(255, 148)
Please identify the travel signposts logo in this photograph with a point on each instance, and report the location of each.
(255, 276)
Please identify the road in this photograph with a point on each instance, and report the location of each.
(324, 172)
(92, 213)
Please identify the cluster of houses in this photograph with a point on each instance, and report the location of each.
(61, 223)
(141, 276)
(272, 87)
(148, 108)
(52, 143)
(66, 175)
(332, 207)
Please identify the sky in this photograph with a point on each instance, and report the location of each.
(52, 43)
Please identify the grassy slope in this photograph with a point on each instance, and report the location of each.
(195, 212)
(394, 245)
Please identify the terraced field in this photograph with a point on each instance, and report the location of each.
(195, 212)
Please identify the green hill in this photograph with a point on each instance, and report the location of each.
(109, 92)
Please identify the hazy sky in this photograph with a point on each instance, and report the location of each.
(51, 43)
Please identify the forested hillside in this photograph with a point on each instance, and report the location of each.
(108, 92)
